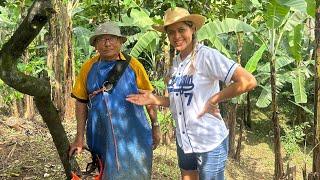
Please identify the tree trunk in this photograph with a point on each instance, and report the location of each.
(231, 118)
(28, 100)
(316, 150)
(162, 68)
(278, 172)
(15, 108)
(29, 107)
(238, 150)
(60, 59)
(69, 69)
(248, 121)
(52, 119)
(233, 114)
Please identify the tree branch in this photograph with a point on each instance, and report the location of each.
(38, 15)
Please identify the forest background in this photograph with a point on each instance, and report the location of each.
(274, 130)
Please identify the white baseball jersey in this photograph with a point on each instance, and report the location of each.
(189, 93)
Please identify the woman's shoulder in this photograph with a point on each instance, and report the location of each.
(203, 49)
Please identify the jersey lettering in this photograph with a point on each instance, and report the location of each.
(183, 85)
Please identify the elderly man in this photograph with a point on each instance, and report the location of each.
(117, 131)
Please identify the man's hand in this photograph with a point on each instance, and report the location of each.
(75, 148)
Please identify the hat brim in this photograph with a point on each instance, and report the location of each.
(93, 38)
(197, 20)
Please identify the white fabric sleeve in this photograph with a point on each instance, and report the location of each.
(218, 66)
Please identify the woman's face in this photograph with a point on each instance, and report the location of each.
(180, 36)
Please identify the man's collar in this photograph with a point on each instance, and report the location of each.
(122, 57)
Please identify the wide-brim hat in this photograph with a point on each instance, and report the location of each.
(177, 14)
(106, 28)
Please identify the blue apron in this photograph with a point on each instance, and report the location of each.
(124, 141)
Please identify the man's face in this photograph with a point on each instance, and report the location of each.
(108, 46)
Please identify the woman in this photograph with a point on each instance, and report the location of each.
(194, 94)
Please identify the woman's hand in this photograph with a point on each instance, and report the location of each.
(143, 98)
(211, 108)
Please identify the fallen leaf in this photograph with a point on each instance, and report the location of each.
(14, 174)
(46, 175)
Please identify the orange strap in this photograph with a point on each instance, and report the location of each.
(94, 93)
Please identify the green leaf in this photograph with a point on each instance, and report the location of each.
(280, 63)
(283, 61)
(295, 39)
(217, 44)
(256, 3)
(216, 27)
(265, 97)
(212, 29)
(298, 87)
(42, 46)
(252, 63)
(311, 7)
(303, 107)
(76, 10)
(285, 77)
(143, 43)
(275, 14)
(159, 84)
(295, 5)
(5, 20)
(297, 18)
(82, 35)
(138, 18)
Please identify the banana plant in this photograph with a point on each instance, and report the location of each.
(263, 77)
(294, 29)
(140, 17)
(281, 17)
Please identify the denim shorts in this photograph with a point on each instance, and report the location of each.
(210, 164)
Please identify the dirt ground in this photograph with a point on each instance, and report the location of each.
(27, 153)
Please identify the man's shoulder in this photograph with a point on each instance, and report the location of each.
(86, 66)
(135, 63)
(91, 60)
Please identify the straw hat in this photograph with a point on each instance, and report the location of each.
(177, 14)
(106, 28)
